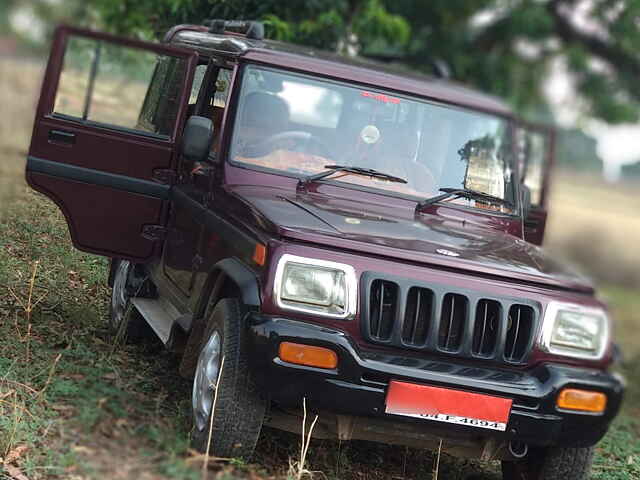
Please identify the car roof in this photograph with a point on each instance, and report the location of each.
(318, 62)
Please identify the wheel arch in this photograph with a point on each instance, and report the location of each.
(228, 278)
(227, 275)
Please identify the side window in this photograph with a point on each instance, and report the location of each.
(223, 82)
(197, 83)
(535, 152)
(119, 86)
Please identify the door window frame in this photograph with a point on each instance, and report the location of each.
(55, 66)
(549, 134)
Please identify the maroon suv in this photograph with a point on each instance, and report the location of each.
(302, 227)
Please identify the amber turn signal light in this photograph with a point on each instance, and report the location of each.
(260, 254)
(308, 355)
(583, 400)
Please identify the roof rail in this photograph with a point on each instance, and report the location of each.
(173, 31)
(248, 28)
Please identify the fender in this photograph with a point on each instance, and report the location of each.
(249, 288)
(235, 270)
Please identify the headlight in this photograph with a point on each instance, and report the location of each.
(316, 286)
(575, 331)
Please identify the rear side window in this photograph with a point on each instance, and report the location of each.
(536, 149)
(119, 86)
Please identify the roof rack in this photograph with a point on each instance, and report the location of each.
(248, 28)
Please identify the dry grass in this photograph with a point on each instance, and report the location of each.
(19, 86)
(597, 226)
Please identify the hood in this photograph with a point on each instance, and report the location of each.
(396, 232)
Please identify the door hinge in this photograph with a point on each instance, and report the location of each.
(154, 233)
(165, 176)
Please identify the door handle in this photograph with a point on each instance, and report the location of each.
(62, 136)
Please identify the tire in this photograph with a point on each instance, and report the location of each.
(551, 464)
(239, 407)
(125, 322)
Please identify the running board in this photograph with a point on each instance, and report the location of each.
(159, 315)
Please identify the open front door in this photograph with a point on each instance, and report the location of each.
(105, 135)
(539, 147)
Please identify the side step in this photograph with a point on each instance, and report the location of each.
(160, 315)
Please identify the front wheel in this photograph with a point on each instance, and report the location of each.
(235, 421)
(551, 464)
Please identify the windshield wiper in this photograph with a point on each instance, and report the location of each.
(369, 172)
(458, 193)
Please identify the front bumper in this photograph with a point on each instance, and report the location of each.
(358, 386)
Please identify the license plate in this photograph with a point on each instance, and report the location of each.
(449, 406)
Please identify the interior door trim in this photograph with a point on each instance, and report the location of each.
(97, 177)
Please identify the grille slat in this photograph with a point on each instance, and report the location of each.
(520, 328)
(380, 309)
(452, 321)
(485, 331)
(417, 316)
(383, 307)
(455, 323)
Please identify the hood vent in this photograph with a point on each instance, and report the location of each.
(433, 318)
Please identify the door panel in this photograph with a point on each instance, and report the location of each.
(103, 208)
(122, 154)
(538, 152)
(105, 136)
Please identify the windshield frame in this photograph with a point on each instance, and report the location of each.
(512, 194)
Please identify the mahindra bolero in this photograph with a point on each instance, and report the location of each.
(308, 229)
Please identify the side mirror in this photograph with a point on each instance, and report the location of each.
(525, 198)
(197, 138)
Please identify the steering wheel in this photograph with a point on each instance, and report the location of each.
(296, 140)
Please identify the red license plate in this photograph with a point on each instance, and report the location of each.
(450, 406)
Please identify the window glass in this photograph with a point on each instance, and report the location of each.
(223, 83)
(119, 86)
(536, 153)
(299, 125)
(197, 83)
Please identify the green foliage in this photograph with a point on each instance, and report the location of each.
(503, 47)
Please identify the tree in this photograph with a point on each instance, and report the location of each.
(506, 47)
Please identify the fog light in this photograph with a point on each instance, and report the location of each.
(583, 400)
(308, 355)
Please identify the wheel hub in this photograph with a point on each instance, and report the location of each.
(204, 383)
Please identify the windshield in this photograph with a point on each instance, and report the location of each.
(299, 125)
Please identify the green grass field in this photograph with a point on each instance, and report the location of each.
(74, 405)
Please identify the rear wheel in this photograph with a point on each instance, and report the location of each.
(551, 464)
(124, 320)
(236, 419)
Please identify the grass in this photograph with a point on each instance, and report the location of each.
(74, 406)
